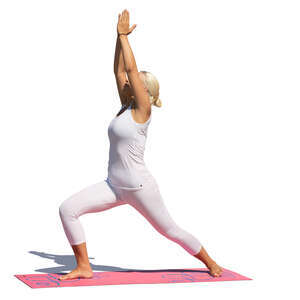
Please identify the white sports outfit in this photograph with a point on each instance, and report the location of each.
(128, 182)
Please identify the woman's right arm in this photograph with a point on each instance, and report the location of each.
(119, 70)
(119, 66)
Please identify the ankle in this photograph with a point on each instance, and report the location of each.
(84, 265)
(205, 258)
(210, 263)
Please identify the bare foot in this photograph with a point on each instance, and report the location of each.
(83, 272)
(214, 269)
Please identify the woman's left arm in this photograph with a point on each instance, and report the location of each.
(137, 85)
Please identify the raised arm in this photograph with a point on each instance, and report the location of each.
(119, 66)
(119, 71)
(138, 88)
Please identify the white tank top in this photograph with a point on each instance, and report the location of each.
(126, 166)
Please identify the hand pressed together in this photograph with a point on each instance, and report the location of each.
(123, 23)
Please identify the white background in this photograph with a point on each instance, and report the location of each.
(224, 147)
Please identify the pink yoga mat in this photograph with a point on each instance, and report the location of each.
(129, 277)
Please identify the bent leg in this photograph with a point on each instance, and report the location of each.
(150, 204)
(94, 198)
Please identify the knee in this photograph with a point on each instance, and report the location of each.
(65, 210)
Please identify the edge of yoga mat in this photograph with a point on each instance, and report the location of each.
(130, 277)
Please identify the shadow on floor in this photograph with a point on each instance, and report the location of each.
(68, 263)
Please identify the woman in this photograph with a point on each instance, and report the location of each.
(129, 180)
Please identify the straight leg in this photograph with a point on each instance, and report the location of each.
(150, 204)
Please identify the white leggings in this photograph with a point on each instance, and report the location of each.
(103, 195)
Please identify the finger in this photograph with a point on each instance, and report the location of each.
(124, 16)
(131, 28)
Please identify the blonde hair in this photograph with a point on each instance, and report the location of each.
(152, 85)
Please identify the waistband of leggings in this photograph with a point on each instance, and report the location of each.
(141, 186)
